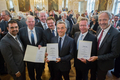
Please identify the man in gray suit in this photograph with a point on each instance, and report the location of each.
(13, 52)
(66, 48)
(64, 18)
(108, 45)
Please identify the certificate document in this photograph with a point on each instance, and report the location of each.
(52, 50)
(33, 54)
(84, 49)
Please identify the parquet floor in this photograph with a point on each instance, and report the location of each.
(46, 75)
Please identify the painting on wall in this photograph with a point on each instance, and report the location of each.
(53, 5)
(102, 5)
(24, 5)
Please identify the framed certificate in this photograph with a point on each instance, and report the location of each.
(52, 50)
(84, 49)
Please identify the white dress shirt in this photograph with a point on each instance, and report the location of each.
(55, 31)
(104, 34)
(43, 24)
(34, 33)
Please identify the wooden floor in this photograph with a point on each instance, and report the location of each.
(46, 74)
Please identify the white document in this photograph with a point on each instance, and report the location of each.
(84, 49)
(52, 50)
(33, 54)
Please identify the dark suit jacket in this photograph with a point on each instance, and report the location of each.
(109, 49)
(89, 37)
(23, 33)
(12, 53)
(23, 22)
(39, 25)
(66, 53)
(47, 36)
(95, 26)
(75, 28)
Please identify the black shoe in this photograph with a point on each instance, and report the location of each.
(115, 74)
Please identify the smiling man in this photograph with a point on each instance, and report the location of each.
(13, 51)
(82, 65)
(108, 45)
(66, 48)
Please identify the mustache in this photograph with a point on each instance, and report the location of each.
(15, 31)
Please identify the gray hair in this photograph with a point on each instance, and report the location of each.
(42, 12)
(95, 17)
(29, 16)
(61, 22)
(62, 14)
(6, 12)
(108, 13)
(20, 15)
(84, 19)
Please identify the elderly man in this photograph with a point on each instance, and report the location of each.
(108, 45)
(66, 47)
(42, 16)
(32, 35)
(64, 18)
(13, 52)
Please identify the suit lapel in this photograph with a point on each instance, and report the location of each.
(87, 36)
(64, 43)
(77, 35)
(106, 37)
(13, 40)
(37, 35)
(27, 36)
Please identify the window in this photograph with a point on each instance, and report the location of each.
(79, 8)
(90, 5)
(116, 7)
(11, 4)
(62, 3)
(66, 4)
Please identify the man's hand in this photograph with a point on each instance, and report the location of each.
(39, 46)
(18, 74)
(0, 31)
(93, 58)
(46, 59)
(58, 60)
(83, 60)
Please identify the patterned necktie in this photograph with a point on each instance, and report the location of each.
(53, 33)
(16, 38)
(115, 24)
(100, 39)
(79, 40)
(32, 38)
(45, 26)
(59, 44)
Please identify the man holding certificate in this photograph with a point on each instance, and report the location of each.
(49, 33)
(32, 35)
(82, 65)
(65, 48)
(108, 45)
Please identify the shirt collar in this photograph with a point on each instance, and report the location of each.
(9, 19)
(12, 35)
(84, 34)
(106, 30)
(54, 29)
(30, 30)
(62, 37)
(43, 23)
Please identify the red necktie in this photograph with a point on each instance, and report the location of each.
(100, 39)
(115, 25)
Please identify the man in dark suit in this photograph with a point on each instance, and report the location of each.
(108, 45)
(75, 28)
(66, 48)
(42, 23)
(48, 34)
(32, 35)
(13, 51)
(82, 65)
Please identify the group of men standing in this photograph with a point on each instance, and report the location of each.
(105, 48)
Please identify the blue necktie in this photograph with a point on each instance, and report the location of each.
(32, 38)
(53, 33)
(59, 45)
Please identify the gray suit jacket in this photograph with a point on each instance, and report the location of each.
(66, 53)
(109, 49)
(68, 25)
(12, 54)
